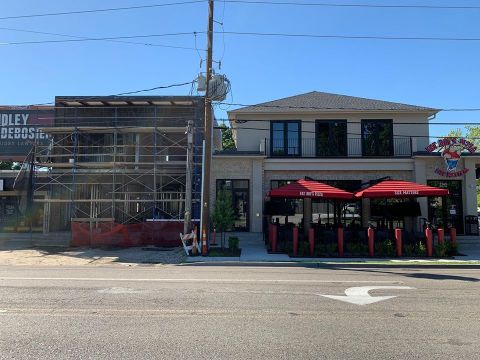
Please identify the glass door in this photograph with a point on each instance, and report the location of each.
(447, 211)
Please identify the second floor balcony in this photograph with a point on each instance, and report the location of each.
(398, 146)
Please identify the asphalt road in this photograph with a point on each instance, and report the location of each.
(195, 312)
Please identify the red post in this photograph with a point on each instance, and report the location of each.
(398, 241)
(429, 241)
(274, 238)
(214, 237)
(453, 235)
(311, 241)
(371, 241)
(340, 241)
(295, 241)
(441, 236)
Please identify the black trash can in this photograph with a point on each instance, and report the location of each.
(471, 225)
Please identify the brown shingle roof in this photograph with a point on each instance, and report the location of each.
(318, 101)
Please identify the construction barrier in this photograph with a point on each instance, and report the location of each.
(157, 233)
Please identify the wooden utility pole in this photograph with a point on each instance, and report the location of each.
(208, 128)
(188, 180)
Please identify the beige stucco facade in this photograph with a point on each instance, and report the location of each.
(252, 161)
(260, 171)
(251, 130)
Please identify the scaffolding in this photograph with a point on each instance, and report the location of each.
(114, 162)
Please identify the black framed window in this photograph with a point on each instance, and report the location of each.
(331, 137)
(240, 195)
(377, 138)
(285, 138)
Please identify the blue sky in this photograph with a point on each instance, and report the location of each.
(436, 74)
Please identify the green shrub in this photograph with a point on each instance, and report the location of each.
(409, 250)
(303, 248)
(421, 249)
(327, 250)
(233, 242)
(441, 250)
(357, 249)
(386, 248)
(452, 248)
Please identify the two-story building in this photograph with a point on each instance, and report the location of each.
(348, 142)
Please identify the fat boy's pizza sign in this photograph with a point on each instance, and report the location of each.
(20, 129)
(451, 149)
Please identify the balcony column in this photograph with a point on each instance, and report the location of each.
(307, 215)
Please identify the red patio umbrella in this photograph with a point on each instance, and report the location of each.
(309, 189)
(399, 189)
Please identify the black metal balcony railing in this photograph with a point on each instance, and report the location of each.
(354, 147)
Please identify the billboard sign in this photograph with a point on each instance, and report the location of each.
(20, 130)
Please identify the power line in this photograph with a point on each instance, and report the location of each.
(259, 34)
(119, 94)
(353, 134)
(86, 38)
(133, 119)
(102, 10)
(108, 38)
(241, 121)
(352, 37)
(277, 3)
(381, 6)
(344, 108)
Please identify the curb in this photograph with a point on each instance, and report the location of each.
(334, 265)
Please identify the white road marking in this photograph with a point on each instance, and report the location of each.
(208, 280)
(360, 295)
(121, 290)
(3, 311)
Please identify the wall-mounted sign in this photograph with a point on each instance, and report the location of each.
(1, 184)
(451, 149)
(20, 130)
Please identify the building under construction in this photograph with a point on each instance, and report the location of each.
(121, 170)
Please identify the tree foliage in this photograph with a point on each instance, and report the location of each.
(472, 134)
(223, 215)
(9, 165)
(227, 138)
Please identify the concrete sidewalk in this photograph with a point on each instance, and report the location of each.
(254, 250)
(27, 249)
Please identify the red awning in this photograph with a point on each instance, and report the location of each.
(309, 189)
(399, 189)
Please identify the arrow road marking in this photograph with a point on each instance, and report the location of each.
(360, 296)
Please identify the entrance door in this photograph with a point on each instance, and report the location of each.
(450, 212)
(239, 190)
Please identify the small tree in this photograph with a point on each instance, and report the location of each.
(227, 138)
(223, 215)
